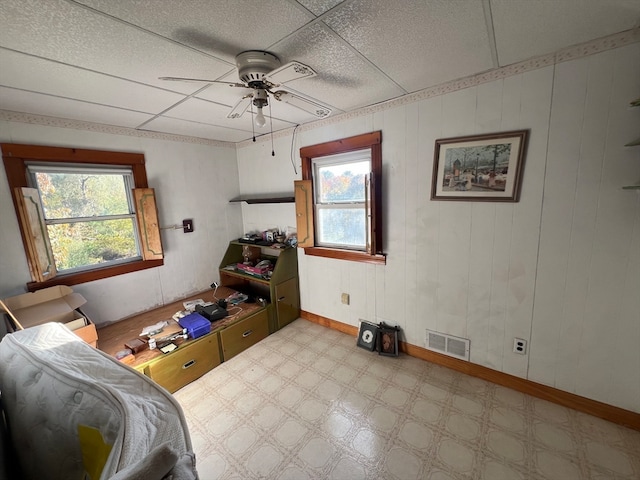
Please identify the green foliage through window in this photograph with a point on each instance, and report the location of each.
(89, 215)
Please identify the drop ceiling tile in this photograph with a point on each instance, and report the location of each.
(72, 34)
(203, 111)
(38, 104)
(345, 80)
(533, 29)
(194, 129)
(27, 73)
(414, 42)
(224, 94)
(223, 28)
(318, 7)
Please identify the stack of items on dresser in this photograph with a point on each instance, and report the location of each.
(192, 322)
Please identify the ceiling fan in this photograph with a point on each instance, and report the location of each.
(263, 73)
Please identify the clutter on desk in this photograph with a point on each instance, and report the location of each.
(274, 238)
(168, 348)
(171, 331)
(136, 345)
(195, 324)
(190, 306)
(236, 298)
(154, 329)
(212, 311)
(125, 356)
(261, 269)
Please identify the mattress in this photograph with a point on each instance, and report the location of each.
(72, 410)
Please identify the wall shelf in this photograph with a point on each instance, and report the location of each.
(266, 198)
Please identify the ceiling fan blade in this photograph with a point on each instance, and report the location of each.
(288, 72)
(182, 79)
(310, 106)
(240, 107)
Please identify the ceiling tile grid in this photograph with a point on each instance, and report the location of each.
(535, 28)
(413, 42)
(99, 60)
(36, 103)
(84, 85)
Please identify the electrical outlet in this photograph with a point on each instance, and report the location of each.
(187, 225)
(345, 298)
(519, 346)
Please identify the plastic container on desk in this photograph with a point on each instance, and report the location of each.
(195, 324)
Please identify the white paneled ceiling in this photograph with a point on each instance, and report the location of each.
(99, 60)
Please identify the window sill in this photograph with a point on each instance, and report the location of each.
(97, 274)
(350, 255)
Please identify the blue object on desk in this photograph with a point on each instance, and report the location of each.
(195, 324)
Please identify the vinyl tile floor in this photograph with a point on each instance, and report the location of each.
(307, 403)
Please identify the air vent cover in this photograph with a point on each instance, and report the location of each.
(448, 344)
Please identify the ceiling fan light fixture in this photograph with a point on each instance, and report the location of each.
(260, 120)
(260, 100)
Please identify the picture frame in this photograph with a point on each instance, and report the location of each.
(484, 167)
(387, 340)
(367, 335)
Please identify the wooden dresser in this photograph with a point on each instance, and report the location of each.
(247, 324)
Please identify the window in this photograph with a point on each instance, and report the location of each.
(339, 202)
(83, 214)
(340, 184)
(88, 213)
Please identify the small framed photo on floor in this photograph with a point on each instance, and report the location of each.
(388, 340)
(367, 335)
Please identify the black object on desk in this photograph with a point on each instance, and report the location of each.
(212, 312)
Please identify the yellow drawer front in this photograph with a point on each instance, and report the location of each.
(243, 334)
(187, 363)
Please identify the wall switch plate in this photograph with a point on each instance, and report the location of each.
(187, 225)
(519, 346)
(345, 298)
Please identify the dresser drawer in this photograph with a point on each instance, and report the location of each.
(243, 334)
(188, 362)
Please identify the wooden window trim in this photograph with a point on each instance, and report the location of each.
(15, 158)
(372, 141)
(351, 255)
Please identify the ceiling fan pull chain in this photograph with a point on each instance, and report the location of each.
(253, 128)
(273, 153)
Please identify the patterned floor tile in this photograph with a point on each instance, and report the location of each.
(307, 403)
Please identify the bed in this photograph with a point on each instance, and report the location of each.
(73, 412)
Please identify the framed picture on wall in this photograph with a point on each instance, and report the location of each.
(479, 167)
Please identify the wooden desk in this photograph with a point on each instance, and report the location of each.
(246, 325)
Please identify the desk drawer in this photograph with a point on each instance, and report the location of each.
(243, 334)
(188, 362)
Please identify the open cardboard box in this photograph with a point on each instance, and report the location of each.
(54, 304)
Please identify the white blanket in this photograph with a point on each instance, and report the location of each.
(54, 386)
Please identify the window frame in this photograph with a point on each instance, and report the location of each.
(349, 158)
(373, 142)
(16, 158)
(34, 168)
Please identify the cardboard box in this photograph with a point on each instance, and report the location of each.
(54, 304)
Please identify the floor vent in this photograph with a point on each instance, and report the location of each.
(448, 344)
